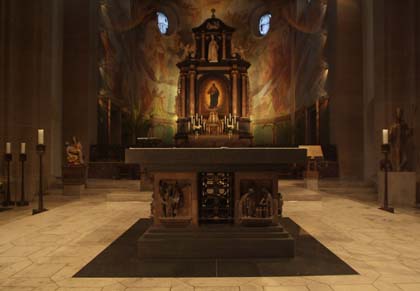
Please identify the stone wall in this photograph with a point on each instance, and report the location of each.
(30, 84)
(345, 58)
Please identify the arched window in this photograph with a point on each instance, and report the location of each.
(163, 22)
(265, 24)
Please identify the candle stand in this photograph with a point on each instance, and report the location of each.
(386, 166)
(22, 202)
(40, 148)
(7, 201)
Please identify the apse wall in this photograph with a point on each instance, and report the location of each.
(287, 67)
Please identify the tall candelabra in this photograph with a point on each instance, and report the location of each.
(22, 202)
(40, 148)
(8, 201)
(386, 166)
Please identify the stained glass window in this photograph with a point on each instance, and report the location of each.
(163, 22)
(265, 24)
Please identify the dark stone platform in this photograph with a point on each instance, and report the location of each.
(215, 241)
(120, 260)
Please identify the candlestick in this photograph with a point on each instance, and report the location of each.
(40, 136)
(385, 136)
(23, 148)
(386, 166)
(8, 148)
(40, 148)
(22, 159)
(8, 201)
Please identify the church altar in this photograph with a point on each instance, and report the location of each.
(195, 187)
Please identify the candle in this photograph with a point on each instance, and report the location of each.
(40, 136)
(385, 136)
(23, 148)
(8, 148)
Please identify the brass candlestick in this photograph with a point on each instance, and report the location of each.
(386, 166)
(22, 202)
(40, 148)
(8, 201)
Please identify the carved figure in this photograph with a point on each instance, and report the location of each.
(398, 138)
(247, 203)
(74, 153)
(172, 198)
(214, 96)
(213, 55)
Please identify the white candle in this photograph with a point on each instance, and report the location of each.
(40, 136)
(23, 148)
(8, 148)
(385, 139)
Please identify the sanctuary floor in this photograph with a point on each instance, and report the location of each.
(44, 252)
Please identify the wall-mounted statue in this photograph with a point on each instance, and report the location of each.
(74, 152)
(213, 55)
(398, 139)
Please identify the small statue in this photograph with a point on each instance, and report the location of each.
(74, 153)
(213, 55)
(398, 138)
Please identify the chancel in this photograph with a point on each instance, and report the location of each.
(196, 145)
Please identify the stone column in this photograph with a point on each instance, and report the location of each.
(224, 46)
(235, 92)
(244, 95)
(203, 46)
(192, 74)
(183, 94)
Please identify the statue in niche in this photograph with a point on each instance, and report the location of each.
(250, 208)
(214, 96)
(172, 198)
(398, 139)
(213, 55)
(74, 153)
(247, 203)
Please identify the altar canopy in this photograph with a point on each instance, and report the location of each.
(213, 94)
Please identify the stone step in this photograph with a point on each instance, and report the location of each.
(129, 196)
(212, 242)
(349, 190)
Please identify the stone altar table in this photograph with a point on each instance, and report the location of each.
(230, 194)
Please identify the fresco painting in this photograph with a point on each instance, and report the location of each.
(141, 62)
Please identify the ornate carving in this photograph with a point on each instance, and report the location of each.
(254, 204)
(172, 197)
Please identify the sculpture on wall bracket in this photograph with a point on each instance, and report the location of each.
(399, 135)
(74, 153)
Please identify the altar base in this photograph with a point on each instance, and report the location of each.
(215, 241)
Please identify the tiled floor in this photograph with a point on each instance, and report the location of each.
(43, 252)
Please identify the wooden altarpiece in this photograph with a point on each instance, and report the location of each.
(213, 101)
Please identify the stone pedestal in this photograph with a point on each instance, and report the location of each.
(401, 188)
(74, 180)
(311, 180)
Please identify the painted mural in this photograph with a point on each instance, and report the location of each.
(139, 63)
